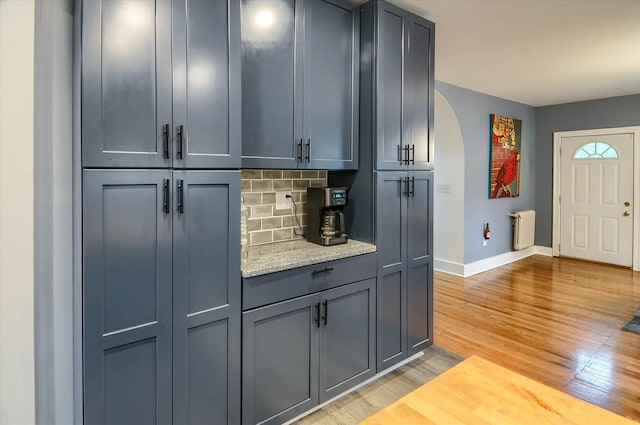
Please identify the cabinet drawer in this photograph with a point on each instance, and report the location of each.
(274, 287)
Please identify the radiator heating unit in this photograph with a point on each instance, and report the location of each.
(524, 228)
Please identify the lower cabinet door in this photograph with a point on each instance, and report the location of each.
(206, 297)
(126, 297)
(280, 360)
(392, 189)
(347, 339)
(420, 263)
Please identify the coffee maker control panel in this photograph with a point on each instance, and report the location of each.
(336, 197)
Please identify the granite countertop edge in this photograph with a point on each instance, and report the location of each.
(280, 256)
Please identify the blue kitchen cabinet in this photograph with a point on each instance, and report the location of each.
(280, 361)
(419, 251)
(301, 351)
(390, 201)
(161, 311)
(398, 79)
(127, 297)
(206, 297)
(161, 84)
(161, 262)
(404, 237)
(300, 71)
(347, 337)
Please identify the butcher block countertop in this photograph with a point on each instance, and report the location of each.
(275, 257)
(479, 392)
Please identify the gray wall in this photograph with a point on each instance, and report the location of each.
(621, 111)
(473, 110)
(53, 218)
(448, 196)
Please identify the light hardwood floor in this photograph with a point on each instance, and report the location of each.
(556, 321)
(478, 392)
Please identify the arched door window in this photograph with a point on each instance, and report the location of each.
(595, 150)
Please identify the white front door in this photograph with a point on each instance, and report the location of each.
(596, 198)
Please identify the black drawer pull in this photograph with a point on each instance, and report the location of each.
(325, 270)
(317, 319)
(181, 196)
(180, 141)
(166, 131)
(165, 197)
(326, 311)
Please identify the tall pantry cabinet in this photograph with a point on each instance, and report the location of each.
(161, 193)
(395, 178)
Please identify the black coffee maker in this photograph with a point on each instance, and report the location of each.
(325, 219)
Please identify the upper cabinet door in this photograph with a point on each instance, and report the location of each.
(206, 84)
(331, 85)
(143, 108)
(390, 89)
(272, 41)
(126, 83)
(403, 90)
(418, 119)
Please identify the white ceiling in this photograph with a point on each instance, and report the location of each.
(537, 52)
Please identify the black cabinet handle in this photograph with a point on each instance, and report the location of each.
(326, 312)
(308, 146)
(403, 154)
(412, 149)
(405, 181)
(166, 131)
(412, 191)
(180, 141)
(165, 197)
(317, 319)
(180, 196)
(300, 150)
(318, 271)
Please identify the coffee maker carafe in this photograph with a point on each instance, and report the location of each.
(325, 219)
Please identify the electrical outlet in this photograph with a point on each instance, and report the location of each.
(282, 202)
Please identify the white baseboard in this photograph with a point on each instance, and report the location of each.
(543, 250)
(449, 267)
(466, 270)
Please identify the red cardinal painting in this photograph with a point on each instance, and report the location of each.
(506, 174)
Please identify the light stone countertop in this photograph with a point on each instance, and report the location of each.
(279, 256)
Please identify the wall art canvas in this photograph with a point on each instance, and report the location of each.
(504, 159)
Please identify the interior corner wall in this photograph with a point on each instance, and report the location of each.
(473, 110)
(623, 111)
(448, 197)
(17, 376)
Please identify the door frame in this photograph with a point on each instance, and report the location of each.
(557, 161)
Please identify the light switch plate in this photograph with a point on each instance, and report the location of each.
(282, 202)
